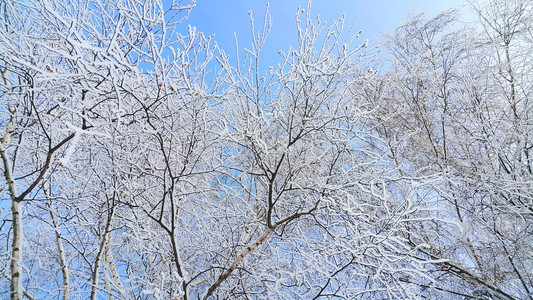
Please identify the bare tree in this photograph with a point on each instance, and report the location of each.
(458, 110)
(67, 71)
(140, 161)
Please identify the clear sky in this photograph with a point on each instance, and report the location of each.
(224, 17)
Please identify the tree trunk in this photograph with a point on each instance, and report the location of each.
(16, 257)
(61, 251)
(16, 272)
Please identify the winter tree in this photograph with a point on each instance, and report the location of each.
(463, 97)
(141, 161)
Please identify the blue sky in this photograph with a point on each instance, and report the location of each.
(224, 17)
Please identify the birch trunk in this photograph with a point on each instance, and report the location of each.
(16, 257)
(109, 260)
(100, 256)
(60, 248)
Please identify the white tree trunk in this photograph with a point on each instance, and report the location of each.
(16, 257)
(61, 252)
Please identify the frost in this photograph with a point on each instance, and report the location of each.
(70, 150)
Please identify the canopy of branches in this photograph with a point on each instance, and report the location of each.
(141, 161)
